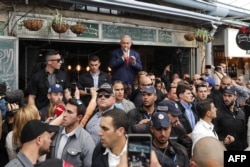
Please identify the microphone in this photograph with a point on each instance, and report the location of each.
(58, 110)
(125, 50)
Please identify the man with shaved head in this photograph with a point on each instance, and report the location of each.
(208, 152)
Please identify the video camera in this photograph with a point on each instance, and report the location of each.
(15, 96)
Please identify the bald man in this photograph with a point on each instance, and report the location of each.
(208, 152)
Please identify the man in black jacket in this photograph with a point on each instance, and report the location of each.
(41, 81)
(113, 127)
(94, 78)
(231, 121)
(161, 129)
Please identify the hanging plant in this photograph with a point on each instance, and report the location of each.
(32, 24)
(202, 35)
(78, 28)
(58, 23)
(189, 36)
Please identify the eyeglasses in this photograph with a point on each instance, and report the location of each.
(79, 102)
(58, 60)
(105, 95)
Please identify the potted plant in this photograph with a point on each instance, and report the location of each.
(202, 35)
(78, 28)
(32, 24)
(189, 36)
(58, 23)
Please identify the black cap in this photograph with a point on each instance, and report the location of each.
(230, 90)
(106, 87)
(34, 128)
(169, 106)
(160, 120)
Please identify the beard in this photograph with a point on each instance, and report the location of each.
(43, 151)
(229, 104)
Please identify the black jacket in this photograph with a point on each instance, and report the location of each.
(39, 86)
(98, 159)
(184, 119)
(86, 81)
(234, 124)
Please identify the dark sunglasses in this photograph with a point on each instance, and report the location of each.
(105, 95)
(58, 60)
(147, 84)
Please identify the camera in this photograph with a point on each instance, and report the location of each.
(87, 90)
(15, 96)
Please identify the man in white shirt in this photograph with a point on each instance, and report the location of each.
(204, 127)
(113, 127)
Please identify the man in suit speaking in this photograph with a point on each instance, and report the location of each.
(125, 62)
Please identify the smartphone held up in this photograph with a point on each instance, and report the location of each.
(139, 149)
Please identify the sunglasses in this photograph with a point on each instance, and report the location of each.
(147, 84)
(105, 95)
(58, 60)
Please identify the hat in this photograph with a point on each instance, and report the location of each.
(106, 87)
(34, 128)
(54, 163)
(55, 88)
(229, 90)
(160, 120)
(169, 106)
(149, 89)
(209, 80)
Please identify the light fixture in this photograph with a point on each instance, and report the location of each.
(78, 67)
(109, 69)
(87, 68)
(69, 67)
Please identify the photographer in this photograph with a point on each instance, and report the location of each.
(7, 126)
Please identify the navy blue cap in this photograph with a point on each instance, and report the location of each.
(160, 120)
(230, 90)
(169, 106)
(56, 88)
(149, 89)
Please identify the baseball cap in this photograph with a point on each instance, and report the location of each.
(209, 80)
(169, 106)
(55, 88)
(229, 90)
(106, 87)
(54, 163)
(160, 120)
(149, 89)
(34, 128)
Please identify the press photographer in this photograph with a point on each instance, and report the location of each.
(12, 98)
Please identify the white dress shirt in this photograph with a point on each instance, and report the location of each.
(203, 129)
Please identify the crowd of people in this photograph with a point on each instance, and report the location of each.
(192, 119)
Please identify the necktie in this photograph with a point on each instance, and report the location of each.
(127, 61)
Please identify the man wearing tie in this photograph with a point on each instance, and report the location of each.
(125, 62)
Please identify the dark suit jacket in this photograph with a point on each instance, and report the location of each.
(86, 81)
(120, 69)
(184, 119)
(98, 159)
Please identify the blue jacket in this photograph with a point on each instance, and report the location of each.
(120, 69)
